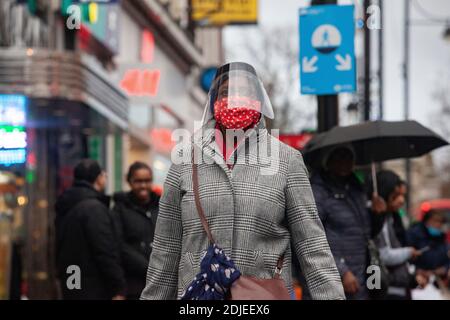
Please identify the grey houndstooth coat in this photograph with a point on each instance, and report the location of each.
(255, 212)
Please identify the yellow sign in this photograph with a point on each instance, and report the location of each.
(223, 12)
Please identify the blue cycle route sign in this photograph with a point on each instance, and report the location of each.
(327, 50)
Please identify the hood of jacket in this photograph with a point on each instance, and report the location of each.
(323, 179)
(80, 191)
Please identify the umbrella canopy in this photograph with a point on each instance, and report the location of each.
(376, 141)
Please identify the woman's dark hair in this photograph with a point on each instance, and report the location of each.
(87, 170)
(433, 212)
(135, 167)
(387, 182)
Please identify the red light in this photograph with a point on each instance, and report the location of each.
(147, 46)
(162, 140)
(425, 207)
(130, 82)
(84, 38)
(150, 82)
(31, 159)
(141, 83)
(24, 288)
(158, 189)
(297, 141)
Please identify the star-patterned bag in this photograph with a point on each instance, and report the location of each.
(217, 273)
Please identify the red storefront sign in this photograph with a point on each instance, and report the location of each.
(296, 141)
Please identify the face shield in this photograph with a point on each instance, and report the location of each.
(237, 94)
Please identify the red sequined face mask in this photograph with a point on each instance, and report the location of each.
(237, 112)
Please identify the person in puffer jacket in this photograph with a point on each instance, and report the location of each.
(342, 205)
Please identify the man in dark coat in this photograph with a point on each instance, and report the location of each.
(87, 253)
(135, 215)
(348, 222)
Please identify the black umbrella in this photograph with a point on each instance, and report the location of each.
(376, 141)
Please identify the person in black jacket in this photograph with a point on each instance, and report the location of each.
(348, 221)
(135, 214)
(87, 252)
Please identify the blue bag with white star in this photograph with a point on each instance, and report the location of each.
(217, 274)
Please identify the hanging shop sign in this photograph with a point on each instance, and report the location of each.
(99, 19)
(13, 136)
(143, 81)
(224, 12)
(12, 109)
(296, 141)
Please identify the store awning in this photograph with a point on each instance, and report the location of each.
(40, 73)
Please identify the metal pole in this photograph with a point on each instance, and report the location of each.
(367, 57)
(327, 113)
(406, 93)
(191, 22)
(380, 62)
(328, 105)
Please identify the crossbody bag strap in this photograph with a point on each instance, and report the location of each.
(201, 214)
(198, 204)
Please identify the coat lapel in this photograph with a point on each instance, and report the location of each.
(204, 139)
(254, 149)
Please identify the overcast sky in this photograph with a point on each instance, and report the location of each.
(430, 54)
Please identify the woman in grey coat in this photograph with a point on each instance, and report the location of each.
(257, 203)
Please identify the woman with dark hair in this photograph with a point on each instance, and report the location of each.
(392, 252)
(135, 214)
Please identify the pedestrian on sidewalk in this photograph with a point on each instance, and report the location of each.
(349, 223)
(135, 213)
(256, 204)
(429, 235)
(395, 256)
(87, 249)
